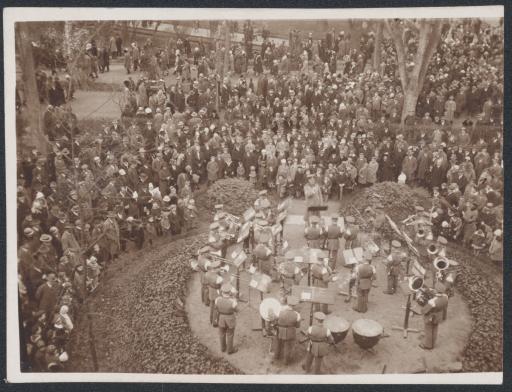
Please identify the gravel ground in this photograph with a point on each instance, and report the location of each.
(139, 323)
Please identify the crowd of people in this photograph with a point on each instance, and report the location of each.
(337, 120)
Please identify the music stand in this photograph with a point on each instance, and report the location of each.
(261, 283)
(314, 295)
(353, 256)
(417, 270)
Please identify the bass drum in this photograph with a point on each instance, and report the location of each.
(269, 309)
(366, 333)
(338, 326)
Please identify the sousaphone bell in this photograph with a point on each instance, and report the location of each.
(440, 263)
(432, 249)
(415, 283)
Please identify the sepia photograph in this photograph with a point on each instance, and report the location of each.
(255, 195)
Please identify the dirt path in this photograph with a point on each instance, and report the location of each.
(399, 355)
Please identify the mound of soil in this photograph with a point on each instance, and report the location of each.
(397, 201)
(139, 320)
(235, 194)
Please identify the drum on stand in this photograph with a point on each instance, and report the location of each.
(367, 333)
(338, 326)
(269, 309)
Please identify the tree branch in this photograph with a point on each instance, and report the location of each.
(396, 35)
(432, 43)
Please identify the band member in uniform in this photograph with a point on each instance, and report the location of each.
(226, 306)
(214, 281)
(351, 282)
(333, 234)
(393, 267)
(262, 255)
(313, 233)
(289, 274)
(445, 281)
(262, 205)
(321, 277)
(217, 240)
(432, 316)
(288, 321)
(202, 265)
(319, 339)
(365, 273)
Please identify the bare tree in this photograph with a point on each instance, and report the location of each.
(412, 72)
(35, 136)
(378, 46)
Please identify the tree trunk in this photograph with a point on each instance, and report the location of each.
(377, 50)
(124, 32)
(410, 101)
(34, 131)
(227, 45)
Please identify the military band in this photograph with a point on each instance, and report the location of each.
(282, 323)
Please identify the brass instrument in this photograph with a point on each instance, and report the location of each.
(432, 249)
(416, 283)
(440, 263)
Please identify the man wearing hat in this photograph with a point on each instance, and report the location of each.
(47, 295)
(289, 274)
(217, 240)
(322, 275)
(365, 273)
(214, 281)
(393, 267)
(262, 255)
(226, 306)
(319, 338)
(262, 205)
(333, 233)
(46, 254)
(314, 233)
(432, 316)
(288, 321)
(312, 194)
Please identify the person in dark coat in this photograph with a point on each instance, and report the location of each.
(56, 95)
(386, 171)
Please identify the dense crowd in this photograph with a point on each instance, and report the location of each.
(336, 120)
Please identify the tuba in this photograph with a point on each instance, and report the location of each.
(415, 283)
(432, 249)
(441, 263)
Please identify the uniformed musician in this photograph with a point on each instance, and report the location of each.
(365, 273)
(319, 339)
(287, 321)
(226, 306)
(217, 240)
(432, 316)
(321, 275)
(262, 255)
(313, 233)
(262, 205)
(445, 281)
(214, 281)
(393, 267)
(333, 234)
(202, 265)
(289, 274)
